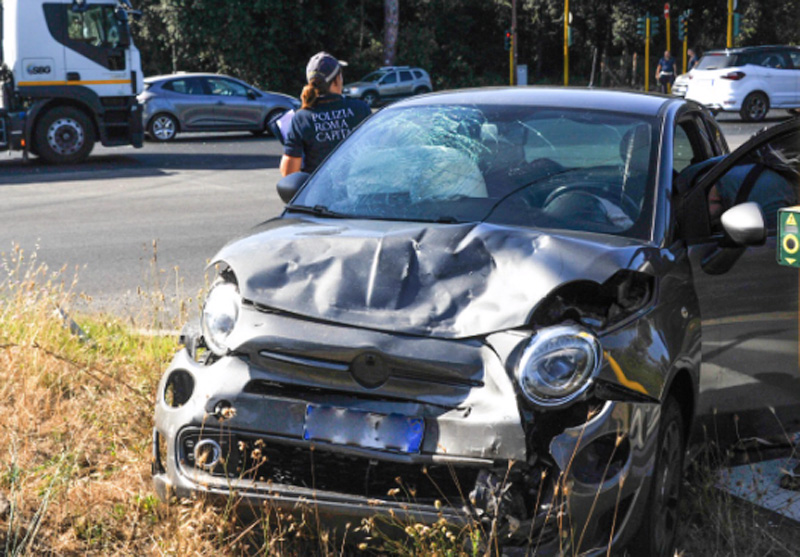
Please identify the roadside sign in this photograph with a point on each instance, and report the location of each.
(666, 10)
(789, 236)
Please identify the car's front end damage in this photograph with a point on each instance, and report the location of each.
(307, 402)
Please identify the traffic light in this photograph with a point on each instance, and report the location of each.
(737, 24)
(683, 26)
(641, 26)
(508, 39)
(654, 26)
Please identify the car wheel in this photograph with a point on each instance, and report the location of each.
(421, 90)
(755, 107)
(163, 127)
(656, 535)
(270, 117)
(371, 98)
(64, 135)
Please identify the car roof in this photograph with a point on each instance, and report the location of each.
(646, 104)
(154, 78)
(742, 49)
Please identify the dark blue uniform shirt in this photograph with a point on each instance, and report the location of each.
(316, 131)
(667, 66)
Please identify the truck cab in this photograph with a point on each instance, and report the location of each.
(71, 76)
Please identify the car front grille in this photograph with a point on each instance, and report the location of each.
(253, 458)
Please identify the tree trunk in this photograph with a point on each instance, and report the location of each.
(390, 30)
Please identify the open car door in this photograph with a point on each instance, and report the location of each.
(750, 370)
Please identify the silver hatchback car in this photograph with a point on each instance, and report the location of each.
(199, 102)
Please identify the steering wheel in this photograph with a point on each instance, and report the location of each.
(623, 200)
(537, 167)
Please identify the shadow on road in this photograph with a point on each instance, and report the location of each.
(133, 164)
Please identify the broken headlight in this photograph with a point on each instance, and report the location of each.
(220, 313)
(558, 364)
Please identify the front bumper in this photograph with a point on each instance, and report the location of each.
(566, 472)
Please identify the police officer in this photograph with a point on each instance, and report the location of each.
(665, 71)
(324, 119)
(693, 60)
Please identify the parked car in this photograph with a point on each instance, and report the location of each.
(748, 80)
(199, 102)
(390, 83)
(512, 306)
(681, 84)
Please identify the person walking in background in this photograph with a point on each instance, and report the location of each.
(693, 60)
(324, 119)
(665, 72)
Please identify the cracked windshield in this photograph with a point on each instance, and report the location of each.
(547, 168)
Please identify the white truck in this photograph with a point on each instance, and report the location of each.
(69, 76)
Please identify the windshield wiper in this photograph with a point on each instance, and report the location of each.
(317, 210)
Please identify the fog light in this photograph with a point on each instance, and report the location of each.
(207, 454)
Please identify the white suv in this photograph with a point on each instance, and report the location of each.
(748, 80)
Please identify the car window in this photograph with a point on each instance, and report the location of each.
(226, 87)
(373, 77)
(682, 153)
(769, 176)
(389, 79)
(774, 59)
(794, 55)
(512, 165)
(715, 61)
(186, 86)
(418, 74)
(405, 76)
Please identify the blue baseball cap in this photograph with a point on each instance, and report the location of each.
(323, 65)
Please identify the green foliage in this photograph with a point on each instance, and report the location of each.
(459, 42)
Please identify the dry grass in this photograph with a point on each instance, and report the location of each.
(76, 419)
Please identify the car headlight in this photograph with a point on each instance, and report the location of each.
(558, 365)
(220, 314)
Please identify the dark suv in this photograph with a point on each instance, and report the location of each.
(389, 83)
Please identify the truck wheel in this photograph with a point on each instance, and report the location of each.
(163, 127)
(64, 135)
(754, 107)
(656, 535)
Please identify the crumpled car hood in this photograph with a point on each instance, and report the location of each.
(445, 280)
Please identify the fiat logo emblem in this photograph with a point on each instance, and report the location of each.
(370, 370)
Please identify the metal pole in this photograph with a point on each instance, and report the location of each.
(730, 23)
(511, 60)
(685, 47)
(668, 41)
(647, 54)
(566, 42)
(514, 42)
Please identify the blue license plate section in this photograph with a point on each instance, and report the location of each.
(343, 426)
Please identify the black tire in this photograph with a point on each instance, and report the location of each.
(656, 535)
(754, 107)
(421, 90)
(162, 127)
(372, 98)
(64, 135)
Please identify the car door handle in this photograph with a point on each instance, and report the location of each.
(220, 103)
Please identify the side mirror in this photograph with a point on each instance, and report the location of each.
(251, 95)
(744, 224)
(291, 184)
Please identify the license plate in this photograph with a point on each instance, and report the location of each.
(342, 426)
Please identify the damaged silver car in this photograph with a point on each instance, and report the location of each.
(504, 306)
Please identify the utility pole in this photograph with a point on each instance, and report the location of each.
(513, 42)
(666, 16)
(566, 42)
(731, 7)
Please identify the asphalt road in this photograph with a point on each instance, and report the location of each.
(102, 219)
